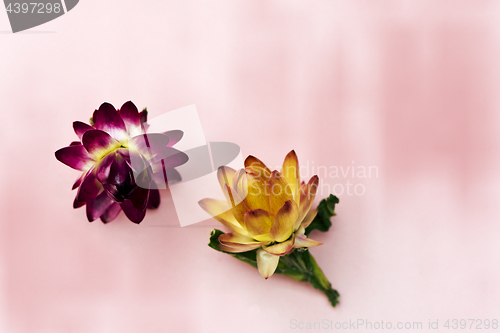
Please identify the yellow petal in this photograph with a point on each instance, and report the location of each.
(263, 237)
(241, 185)
(239, 241)
(228, 249)
(291, 173)
(254, 165)
(303, 241)
(255, 190)
(279, 192)
(280, 249)
(266, 263)
(225, 176)
(239, 248)
(283, 224)
(307, 195)
(258, 221)
(221, 212)
(238, 176)
(238, 206)
(307, 219)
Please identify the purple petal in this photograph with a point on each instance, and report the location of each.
(140, 198)
(154, 199)
(174, 136)
(119, 171)
(108, 120)
(131, 118)
(99, 143)
(141, 170)
(80, 128)
(171, 157)
(143, 180)
(90, 188)
(125, 153)
(75, 157)
(149, 144)
(132, 213)
(120, 183)
(143, 177)
(104, 166)
(134, 160)
(98, 206)
(77, 204)
(75, 143)
(113, 192)
(111, 213)
(78, 182)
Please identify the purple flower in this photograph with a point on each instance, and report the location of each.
(121, 164)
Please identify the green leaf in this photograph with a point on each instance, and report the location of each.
(299, 265)
(318, 279)
(326, 209)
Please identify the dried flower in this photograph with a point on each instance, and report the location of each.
(266, 210)
(120, 163)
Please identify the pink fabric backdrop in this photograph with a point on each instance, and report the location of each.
(410, 87)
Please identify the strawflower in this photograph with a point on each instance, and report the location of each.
(269, 214)
(120, 163)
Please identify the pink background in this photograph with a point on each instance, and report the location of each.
(408, 86)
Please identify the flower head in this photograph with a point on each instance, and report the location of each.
(120, 163)
(265, 210)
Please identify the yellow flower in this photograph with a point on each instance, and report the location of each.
(265, 210)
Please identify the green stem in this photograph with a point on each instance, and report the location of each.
(304, 262)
